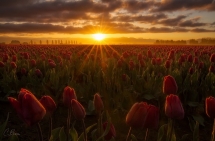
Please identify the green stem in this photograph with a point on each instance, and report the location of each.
(213, 132)
(50, 127)
(85, 134)
(171, 129)
(129, 134)
(147, 134)
(39, 132)
(68, 122)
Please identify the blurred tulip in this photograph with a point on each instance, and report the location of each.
(33, 63)
(131, 65)
(190, 58)
(5, 58)
(167, 64)
(38, 73)
(23, 71)
(49, 104)
(212, 69)
(149, 54)
(169, 85)
(212, 58)
(68, 95)
(152, 117)
(78, 110)
(28, 108)
(98, 103)
(173, 107)
(14, 59)
(112, 132)
(52, 64)
(136, 116)
(13, 65)
(210, 106)
(153, 61)
(201, 65)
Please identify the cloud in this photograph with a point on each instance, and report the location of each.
(172, 21)
(172, 5)
(135, 5)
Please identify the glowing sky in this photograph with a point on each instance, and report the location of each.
(154, 19)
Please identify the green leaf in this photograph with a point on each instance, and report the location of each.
(62, 135)
(196, 132)
(73, 134)
(94, 134)
(81, 137)
(55, 134)
(3, 126)
(162, 133)
(199, 118)
(193, 104)
(133, 137)
(13, 138)
(148, 96)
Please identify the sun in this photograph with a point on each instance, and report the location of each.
(99, 36)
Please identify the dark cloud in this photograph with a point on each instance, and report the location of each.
(135, 5)
(201, 30)
(172, 21)
(190, 23)
(173, 5)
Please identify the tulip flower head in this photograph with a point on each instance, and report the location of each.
(28, 108)
(98, 103)
(49, 104)
(78, 110)
(112, 132)
(169, 85)
(152, 117)
(210, 107)
(68, 95)
(136, 116)
(173, 107)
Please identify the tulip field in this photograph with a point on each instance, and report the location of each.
(107, 92)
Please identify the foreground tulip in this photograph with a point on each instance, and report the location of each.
(173, 107)
(210, 107)
(78, 110)
(152, 117)
(49, 104)
(68, 95)
(98, 103)
(29, 109)
(136, 116)
(112, 132)
(169, 85)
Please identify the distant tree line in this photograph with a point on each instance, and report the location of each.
(203, 41)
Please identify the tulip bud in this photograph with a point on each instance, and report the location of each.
(152, 117)
(28, 108)
(173, 107)
(14, 59)
(191, 70)
(167, 64)
(98, 103)
(190, 58)
(33, 63)
(112, 132)
(49, 104)
(210, 107)
(23, 71)
(13, 65)
(78, 110)
(136, 116)
(68, 95)
(212, 58)
(169, 85)
(38, 73)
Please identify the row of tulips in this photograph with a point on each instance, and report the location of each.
(140, 116)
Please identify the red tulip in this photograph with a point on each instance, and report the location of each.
(78, 110)
(191, 70)
(38, 73)
(212, 58)
(68, 95)
(112, 132)
(169, 85)
(136, 116)
(13, 65)
(33, 63)
(152, 117)
(210, 106)
(23, 71)
(190, 58)
(14, 58)
(167, 64)
(98, 103)
(29, 109)
(49, 104)
(173, 107)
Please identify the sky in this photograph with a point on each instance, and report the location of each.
(133, 19)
